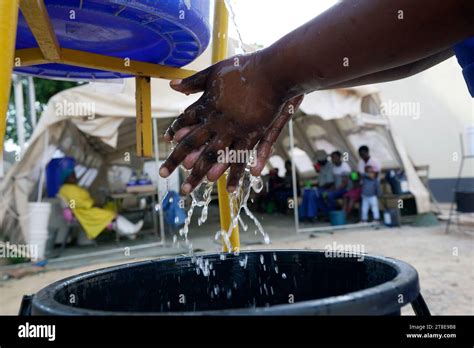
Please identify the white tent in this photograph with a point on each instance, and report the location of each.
(94, 123)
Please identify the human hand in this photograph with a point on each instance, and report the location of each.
(240, 107)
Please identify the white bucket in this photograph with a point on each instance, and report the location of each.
(37, 235)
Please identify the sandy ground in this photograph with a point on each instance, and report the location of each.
(444, 262)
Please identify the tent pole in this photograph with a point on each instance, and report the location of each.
(143, 118)
(43, 166)
(19, 111)
(8, 23)
(219, 52)
(32, 101)
(157, 161)
(293, 176)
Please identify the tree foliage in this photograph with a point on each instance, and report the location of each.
(44, 89)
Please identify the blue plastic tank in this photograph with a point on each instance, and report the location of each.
(168, 32)
(54, 171)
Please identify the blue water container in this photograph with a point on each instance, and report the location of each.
(54, 171)
(337, 217)
(168, 32)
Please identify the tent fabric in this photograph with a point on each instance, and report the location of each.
(332, 104)
(95, 124)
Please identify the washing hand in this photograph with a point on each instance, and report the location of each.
(240, 108)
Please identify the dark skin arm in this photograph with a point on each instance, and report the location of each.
(398, 72)
(248, 99)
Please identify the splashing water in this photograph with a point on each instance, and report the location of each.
(201, 197)
(238, 201)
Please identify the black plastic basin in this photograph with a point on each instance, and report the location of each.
(289, 282)
(465, 201)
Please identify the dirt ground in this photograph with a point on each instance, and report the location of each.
(445, 263)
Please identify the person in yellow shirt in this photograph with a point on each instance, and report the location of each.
(93, 219)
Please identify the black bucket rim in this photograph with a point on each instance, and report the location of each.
(377, 300)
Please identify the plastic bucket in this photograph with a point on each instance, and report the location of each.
(392, 218)
(465, 201)
(37, 234)
(337, 217)
(270, 282)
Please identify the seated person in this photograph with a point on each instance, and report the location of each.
(342, 184)
(285, 191)
(370, 192)
(314, 199)
(266, 200)
(93, 219)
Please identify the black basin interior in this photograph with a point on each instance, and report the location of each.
(252, 279)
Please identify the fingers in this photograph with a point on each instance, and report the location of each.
(237, 169)
(192, 141)
(191, 159)
(204, 163)
(287, 111)
(294, 103)
(192, 84)
(264, 151)
(183, 132)
(235, 173)
(216, 171)
(190, 117)
(265, 145)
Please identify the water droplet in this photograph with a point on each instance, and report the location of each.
(266, 238)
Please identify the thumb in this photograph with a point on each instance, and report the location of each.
(193, 84)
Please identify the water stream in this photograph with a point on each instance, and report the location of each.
(238, 200)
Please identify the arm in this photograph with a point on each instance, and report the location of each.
(399, 72)
(248, 99)
(361, 38)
